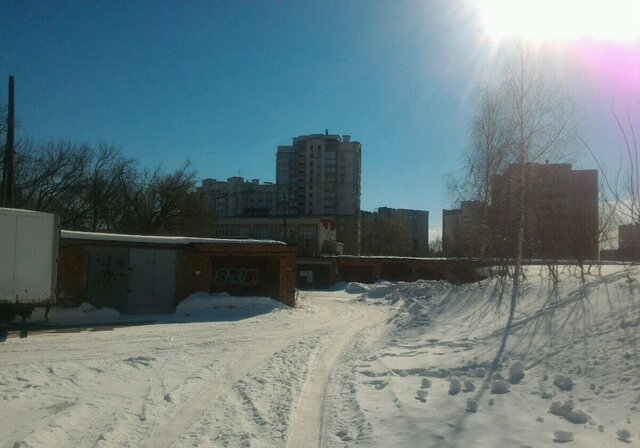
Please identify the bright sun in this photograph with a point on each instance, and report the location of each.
(611, 20)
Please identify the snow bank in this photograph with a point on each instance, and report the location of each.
(573, 341)
(83, 314)
(202, 301)
(197, 307)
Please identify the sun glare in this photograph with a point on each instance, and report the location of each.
(610, 20)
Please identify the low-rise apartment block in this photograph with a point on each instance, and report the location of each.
(560, 216)
(561, 212)
(314, 236)
(463, 233)
(395, 232)
(237, 197)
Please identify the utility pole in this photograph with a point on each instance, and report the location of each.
(8, 181)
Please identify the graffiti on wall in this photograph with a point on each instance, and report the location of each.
(236, 276)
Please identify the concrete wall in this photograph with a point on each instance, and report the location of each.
(326, 271)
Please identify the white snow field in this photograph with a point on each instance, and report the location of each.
(384, 365)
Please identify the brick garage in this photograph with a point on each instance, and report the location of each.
(151, 275)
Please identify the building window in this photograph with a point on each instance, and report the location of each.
(307, 235)
(279, 233)
(219, 231)
(264, 232)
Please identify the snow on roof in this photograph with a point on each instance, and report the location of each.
(23, 212)
(95, 236)
(392, 257)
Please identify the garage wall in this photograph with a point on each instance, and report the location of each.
(152, 279)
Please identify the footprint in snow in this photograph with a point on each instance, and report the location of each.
(562, 436)
(140, 360)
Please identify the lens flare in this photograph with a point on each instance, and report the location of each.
(542, 20)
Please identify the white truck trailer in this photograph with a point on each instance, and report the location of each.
(28, 261)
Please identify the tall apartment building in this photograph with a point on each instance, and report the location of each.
(237, 197)
(319, 175)
(561, 212)
(395, 232)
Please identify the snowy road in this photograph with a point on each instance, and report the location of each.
(262, 381)
(389, 365)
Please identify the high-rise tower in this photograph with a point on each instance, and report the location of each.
(319, 175)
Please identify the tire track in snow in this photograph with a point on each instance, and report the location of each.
(309, 426)
(249, 359)
(169, 433)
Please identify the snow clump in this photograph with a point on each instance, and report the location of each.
(500, 387)
(356, 288)
(516, 373)
(454, 386)
(567, 411)
(468, 386)
(421, 395)
(564, 383)
(562, 436)
(624, 435)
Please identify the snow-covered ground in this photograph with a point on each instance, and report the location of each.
(390, 364)
(425, 381)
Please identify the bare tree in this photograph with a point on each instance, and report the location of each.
(96, 188)
(620, 190)
(102, 194)
(50, 177)
(539, 119)
(3, 121)
(158, 202)
(435, 247)
(489, 152)
(524, 119)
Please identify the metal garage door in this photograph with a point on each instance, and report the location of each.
(107, 277)
(152, 281)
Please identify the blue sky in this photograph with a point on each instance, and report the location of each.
(222, 83)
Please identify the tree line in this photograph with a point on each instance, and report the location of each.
(95, 187)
